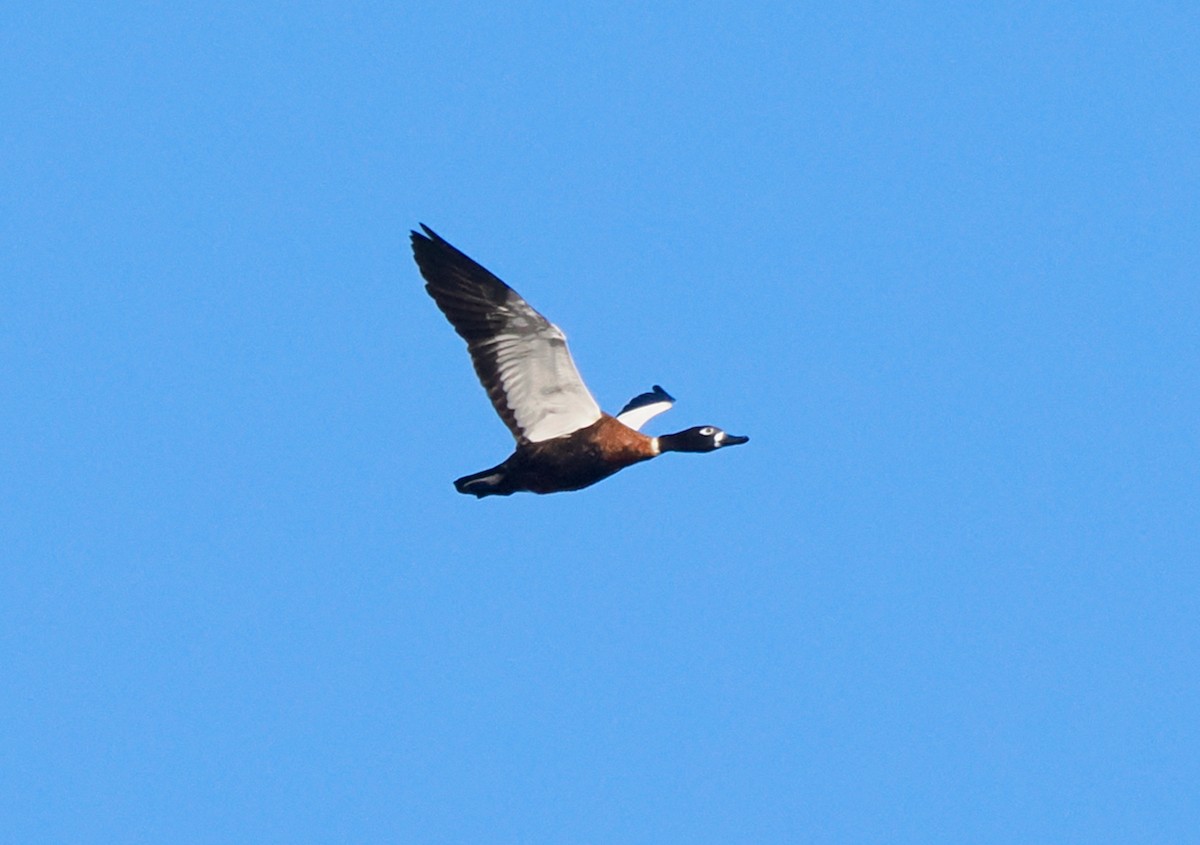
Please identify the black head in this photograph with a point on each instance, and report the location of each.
(702, 438)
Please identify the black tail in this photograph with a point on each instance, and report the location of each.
(490, 482)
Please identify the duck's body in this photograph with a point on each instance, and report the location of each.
(564, 441)
(571, 462)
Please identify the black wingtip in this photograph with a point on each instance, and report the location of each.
(657, 394)
(428, 244)
(426, 235)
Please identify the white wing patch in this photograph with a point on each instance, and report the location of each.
(540, 383)
(642, 408)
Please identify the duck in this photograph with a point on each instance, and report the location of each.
(564, 441)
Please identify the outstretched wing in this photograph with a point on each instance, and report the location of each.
(521, 358)
(642, 407)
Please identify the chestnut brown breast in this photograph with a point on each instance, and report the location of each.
(581, 458)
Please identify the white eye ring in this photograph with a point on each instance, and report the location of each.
(708, 431)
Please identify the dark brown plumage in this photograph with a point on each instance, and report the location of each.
(568, 463)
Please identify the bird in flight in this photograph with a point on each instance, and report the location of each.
(564, 440)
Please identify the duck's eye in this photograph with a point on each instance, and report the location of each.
(708, 431)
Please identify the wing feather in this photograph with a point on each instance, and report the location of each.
(644, 406)
(521, 358)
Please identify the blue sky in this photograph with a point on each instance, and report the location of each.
(937, 260)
